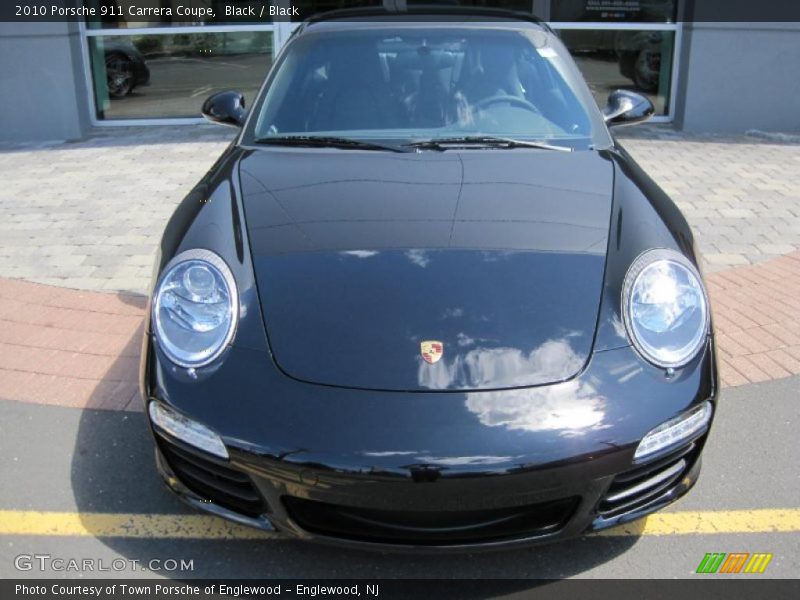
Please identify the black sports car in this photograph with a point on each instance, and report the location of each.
(425, 300)
(126, 68)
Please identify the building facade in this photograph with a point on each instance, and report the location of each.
(58, 79)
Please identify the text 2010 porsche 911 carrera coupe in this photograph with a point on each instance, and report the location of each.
(425, 300)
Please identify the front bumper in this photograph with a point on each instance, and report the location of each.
(583, 515)
(438, 471)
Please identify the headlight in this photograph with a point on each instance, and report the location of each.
(195, 308)
(665, 308)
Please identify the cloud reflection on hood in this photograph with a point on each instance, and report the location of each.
(482, 367)
(360, 253)
(418, 257)
(572, 407)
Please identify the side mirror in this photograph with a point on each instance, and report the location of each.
(225, 108)
(627, 108)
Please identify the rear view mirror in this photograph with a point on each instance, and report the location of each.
(225, 108)
(627, 108)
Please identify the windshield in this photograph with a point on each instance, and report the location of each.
(406, 85)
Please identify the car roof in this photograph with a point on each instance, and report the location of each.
(423, 15)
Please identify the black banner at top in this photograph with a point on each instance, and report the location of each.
(155, 13)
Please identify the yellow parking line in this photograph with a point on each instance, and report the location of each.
(767, 520)
(131, 525)
(22, 522)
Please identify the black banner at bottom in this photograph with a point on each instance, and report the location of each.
(583, 589)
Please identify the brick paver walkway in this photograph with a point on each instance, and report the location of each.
(69, 347)
(755, 311)
(88, 215)
(740, 195)
(77, 348)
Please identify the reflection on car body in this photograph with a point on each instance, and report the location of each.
(126, 68)
(425, 300)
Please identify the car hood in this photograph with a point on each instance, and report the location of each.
(360, 257)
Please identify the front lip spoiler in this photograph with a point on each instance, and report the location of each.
(186, 495)
(292, 530)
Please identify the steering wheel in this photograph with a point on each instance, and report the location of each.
(508, 99)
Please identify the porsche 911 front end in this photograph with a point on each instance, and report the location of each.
(403, 314)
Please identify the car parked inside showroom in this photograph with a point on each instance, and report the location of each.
(425, 300)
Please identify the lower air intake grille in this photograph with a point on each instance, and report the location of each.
(430, 527)
(214, 480)
(633, 489)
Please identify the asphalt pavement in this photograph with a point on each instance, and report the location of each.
(74, 471)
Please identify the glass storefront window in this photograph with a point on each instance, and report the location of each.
(307, 8)
(600, 11)
(637, 60)
(170, 75)
(134, 14)
(166, 72)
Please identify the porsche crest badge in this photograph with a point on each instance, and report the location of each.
(431, 351)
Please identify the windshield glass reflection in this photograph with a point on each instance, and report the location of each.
(412, 83)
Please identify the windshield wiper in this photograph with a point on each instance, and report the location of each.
(485, 141)
(327, 141)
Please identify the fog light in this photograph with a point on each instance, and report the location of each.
(673, 432)
(186, 430)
